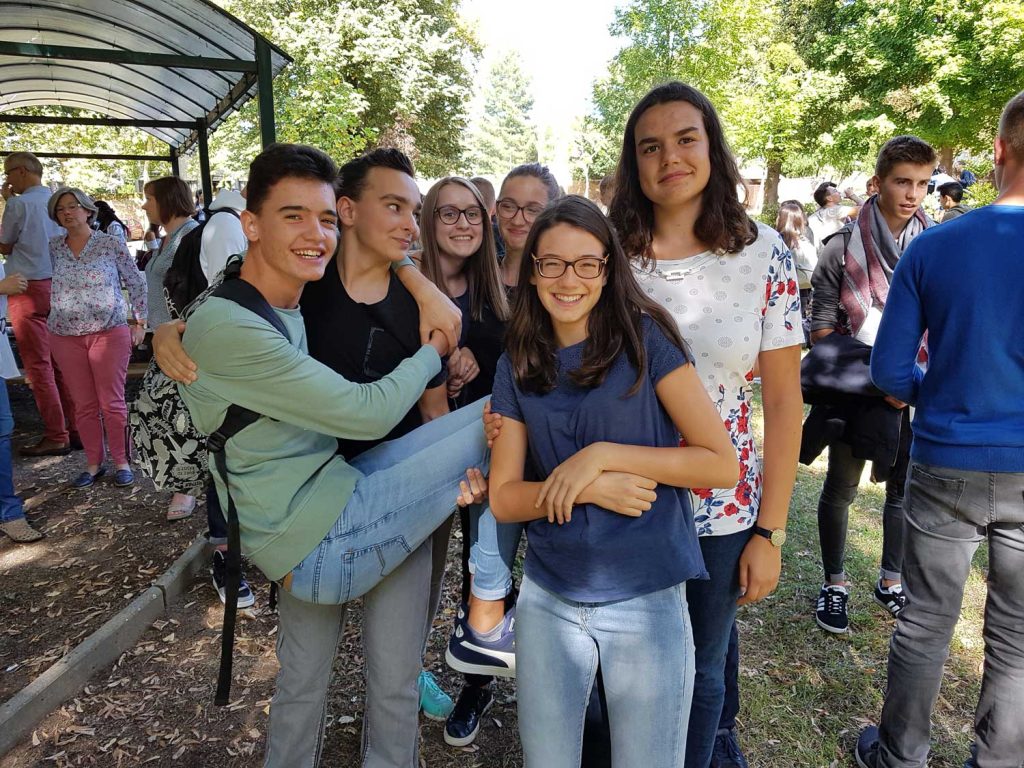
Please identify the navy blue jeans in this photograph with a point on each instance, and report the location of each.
(712, 616)
(11, 507)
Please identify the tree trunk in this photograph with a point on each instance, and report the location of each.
(771, 184)
(946, 159)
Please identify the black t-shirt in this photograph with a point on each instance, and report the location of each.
(363, 342)
(485, 338)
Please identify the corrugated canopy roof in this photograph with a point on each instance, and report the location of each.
(169, 62)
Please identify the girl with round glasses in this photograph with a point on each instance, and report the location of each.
(526, 191)
(598, 382)
(730, 285)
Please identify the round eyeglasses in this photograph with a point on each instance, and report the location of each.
(508, 209)
(449, 214)
(586, 268)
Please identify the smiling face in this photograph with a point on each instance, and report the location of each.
(568, 299)
(672, 154)
(900, 193)
(524, 192)
(294, 233)
(383, 220)
(461, 239)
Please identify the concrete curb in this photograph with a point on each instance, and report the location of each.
(23, 711)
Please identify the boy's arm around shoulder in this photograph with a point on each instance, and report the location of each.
(244, 360)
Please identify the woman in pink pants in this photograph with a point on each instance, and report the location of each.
(89, 333)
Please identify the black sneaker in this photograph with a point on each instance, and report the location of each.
(463, 723)
(218, 572)
(831, 612)
(727, 752)
(891, 598)
(866, 751)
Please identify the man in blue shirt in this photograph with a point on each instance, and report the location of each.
(960, 283)
(24, 242)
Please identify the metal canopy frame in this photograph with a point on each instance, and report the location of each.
(173, 68)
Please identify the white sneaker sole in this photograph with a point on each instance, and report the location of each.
(478, 669)
(833, 630)
(465, 741)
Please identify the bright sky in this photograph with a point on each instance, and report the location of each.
(564, 45)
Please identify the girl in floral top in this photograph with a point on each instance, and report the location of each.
(89, 333)
(731, 286)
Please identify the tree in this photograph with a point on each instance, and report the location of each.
(740, 55)
(503, 135)
(365, 73)
(940, 69)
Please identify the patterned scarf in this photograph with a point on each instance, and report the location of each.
(871, 256)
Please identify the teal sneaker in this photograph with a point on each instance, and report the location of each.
(434, 703)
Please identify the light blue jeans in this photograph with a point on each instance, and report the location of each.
(493, 554)
(408, 489)
(645, 650)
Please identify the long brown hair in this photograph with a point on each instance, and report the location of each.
(481, 268)
(614, 324)
(723, 223)
(791, 223)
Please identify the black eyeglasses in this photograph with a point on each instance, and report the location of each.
(586, 268)
(449, 214)
(509, 209)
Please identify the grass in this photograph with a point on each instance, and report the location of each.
(806, 694)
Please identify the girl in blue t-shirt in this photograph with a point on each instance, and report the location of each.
(598, 382)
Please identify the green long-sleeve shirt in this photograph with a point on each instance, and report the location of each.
(288, 485)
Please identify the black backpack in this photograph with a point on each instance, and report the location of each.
(185, 280)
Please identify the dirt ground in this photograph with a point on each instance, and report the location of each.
(155, 706)
(103, 546)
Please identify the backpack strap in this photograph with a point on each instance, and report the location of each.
(237, 418)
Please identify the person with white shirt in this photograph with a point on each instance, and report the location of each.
(222, 235)
(12, 510)
(830, 216)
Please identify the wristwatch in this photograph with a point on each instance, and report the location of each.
(777, 536)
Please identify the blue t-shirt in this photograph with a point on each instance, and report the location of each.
(600, 556)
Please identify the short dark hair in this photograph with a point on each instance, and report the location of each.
(173, 197)
(284, 161)
(539, 172)
(352, 176)
(1011, 125)
(953, 190)
(821, 193)
(903, 149)
(723, 223)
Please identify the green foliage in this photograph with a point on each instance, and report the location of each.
(979, 194)
(365, 74)
(99, 178)
(941, 69)
(503, 135)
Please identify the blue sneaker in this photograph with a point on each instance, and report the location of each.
(464, 722)
(472, 655)
(866, 751)
(86, 479)
(435, 704)
(123, 478)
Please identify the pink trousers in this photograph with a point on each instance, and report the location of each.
(95, 367)
(28, 312)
